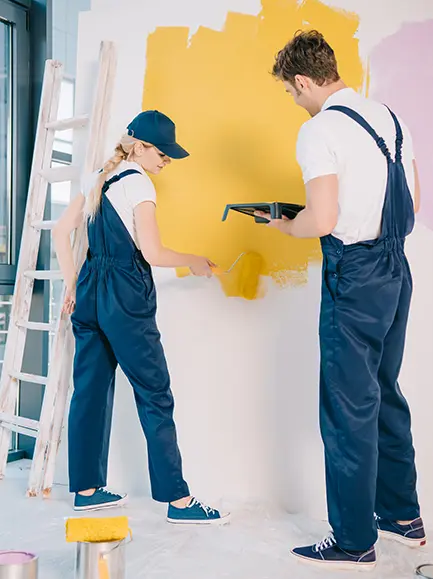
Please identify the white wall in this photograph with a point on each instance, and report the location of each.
(247, 392)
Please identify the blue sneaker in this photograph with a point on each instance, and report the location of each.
(196, 513)
(328, 554)
(100, 499)
(412, 535)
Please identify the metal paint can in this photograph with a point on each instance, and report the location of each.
(18, 565)
(105, 560)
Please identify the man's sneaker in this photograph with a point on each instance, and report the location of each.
(328, 554)
(100, 499)
(196, 513)
(412, 535)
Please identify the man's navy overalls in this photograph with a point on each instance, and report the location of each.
(364, 418)
(114, 323)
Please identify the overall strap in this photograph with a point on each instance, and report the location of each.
(116, 178)
(399, 137)
(361, 121)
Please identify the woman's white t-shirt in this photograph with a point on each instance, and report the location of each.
(125, 194)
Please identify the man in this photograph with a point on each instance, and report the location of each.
(362, 191)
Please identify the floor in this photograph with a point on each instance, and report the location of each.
(254, 546)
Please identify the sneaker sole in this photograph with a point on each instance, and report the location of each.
(332, 565)
(224, 520)
(103, 506)
(413, 543)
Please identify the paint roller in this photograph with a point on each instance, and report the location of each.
(241, 279)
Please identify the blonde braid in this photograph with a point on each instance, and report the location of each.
(123, 152)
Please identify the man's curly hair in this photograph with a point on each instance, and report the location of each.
(307, 54)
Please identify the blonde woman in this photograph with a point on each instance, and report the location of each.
(113, 307)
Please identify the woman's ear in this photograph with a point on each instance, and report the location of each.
(138, 149)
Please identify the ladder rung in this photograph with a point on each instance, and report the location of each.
(61, 174)
(66, 124)
(19, 424)
(32, 378)
(47, 274)
(20, 429)
(42, 326)
(44, 224)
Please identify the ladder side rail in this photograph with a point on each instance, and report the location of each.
(23, 291)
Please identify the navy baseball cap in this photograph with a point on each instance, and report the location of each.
(157, 129)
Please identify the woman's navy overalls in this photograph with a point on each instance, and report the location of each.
(114, 323)
(365, 420)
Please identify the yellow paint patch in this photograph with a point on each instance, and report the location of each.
(240, 127)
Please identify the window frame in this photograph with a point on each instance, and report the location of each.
(20, 135)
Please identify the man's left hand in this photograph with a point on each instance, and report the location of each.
(282, 224)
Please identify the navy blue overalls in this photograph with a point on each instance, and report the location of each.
(114, 323)
(364, 417)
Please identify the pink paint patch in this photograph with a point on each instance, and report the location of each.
(15, 557)
(401, 77)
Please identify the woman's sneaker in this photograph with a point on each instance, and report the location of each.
(101, 499)
(196, 513)
(412, 535)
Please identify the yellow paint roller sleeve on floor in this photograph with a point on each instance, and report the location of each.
(96, 530)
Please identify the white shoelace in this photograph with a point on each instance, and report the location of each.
(109, 493)
(326, 543)
(205, 508)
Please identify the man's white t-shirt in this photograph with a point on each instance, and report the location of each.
(125, 194)
(332, 143)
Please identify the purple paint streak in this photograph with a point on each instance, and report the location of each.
(402, 77)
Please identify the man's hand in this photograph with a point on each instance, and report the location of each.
(282, 224)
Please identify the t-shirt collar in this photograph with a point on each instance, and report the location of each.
(338, 97)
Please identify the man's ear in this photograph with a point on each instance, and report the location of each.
(300, 82)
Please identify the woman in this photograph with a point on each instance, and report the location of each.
(113, 303)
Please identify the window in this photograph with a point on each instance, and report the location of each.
(14, 134)
(5, 142)
(15, 139)
(5, 310)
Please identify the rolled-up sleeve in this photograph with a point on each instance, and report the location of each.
(314, 152)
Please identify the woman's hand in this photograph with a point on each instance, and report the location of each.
(70, 300)
(68, 222)
(202, 266)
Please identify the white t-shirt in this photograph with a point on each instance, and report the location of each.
(332, 143)
(125, 194)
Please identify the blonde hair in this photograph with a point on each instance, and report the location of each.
(123, 151)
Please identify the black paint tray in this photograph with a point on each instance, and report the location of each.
(276, 210)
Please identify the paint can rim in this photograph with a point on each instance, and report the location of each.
(31, 558)
(419, 570)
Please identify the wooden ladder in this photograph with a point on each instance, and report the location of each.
(47, 430)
